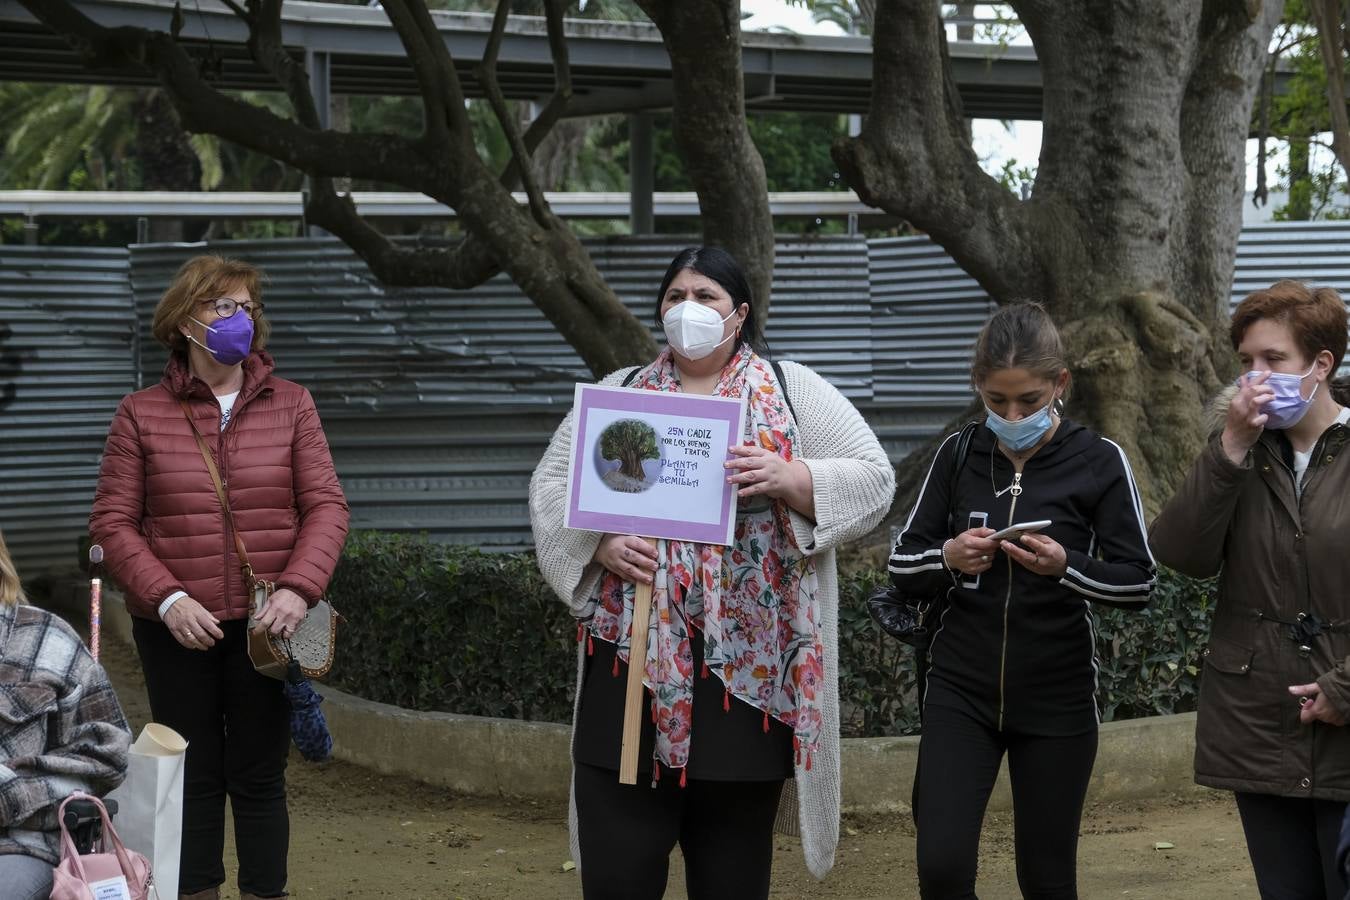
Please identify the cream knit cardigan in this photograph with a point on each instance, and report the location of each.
(853, 486)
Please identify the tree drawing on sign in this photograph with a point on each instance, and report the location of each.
(630, 443)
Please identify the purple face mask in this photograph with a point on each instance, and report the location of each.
(229, 340)
(1287, 407)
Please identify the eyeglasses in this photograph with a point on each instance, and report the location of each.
(225, 307)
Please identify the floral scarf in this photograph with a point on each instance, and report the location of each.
(755, 601)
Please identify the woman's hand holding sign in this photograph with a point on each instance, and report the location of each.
(761, 471)
(631, 558)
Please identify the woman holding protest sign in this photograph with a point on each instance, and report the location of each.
(219, 427)
(1013, 662)
(1264, 508)
(742, 651)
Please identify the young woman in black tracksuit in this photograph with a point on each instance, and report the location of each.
(1013, 668)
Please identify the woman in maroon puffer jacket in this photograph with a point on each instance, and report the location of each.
(166, 539)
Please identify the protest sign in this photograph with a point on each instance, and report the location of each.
(649, 463)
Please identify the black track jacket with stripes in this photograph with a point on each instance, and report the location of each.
(1016, 649)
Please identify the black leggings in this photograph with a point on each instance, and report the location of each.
(626, 832)
(958, 763)
(237, 725)
(1292, 843)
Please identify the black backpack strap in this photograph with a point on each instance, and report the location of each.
(962, 451)
(628, 379)
(782, 386)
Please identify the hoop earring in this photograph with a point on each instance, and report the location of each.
(1058, 406)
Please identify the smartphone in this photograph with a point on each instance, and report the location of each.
(974, 520)
(1013, 532)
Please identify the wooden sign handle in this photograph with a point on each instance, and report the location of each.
(637, 664)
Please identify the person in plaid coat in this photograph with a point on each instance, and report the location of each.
(61, 730)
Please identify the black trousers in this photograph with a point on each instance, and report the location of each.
(959, 760)
(237, 725)
(1343, 851)
(1292, 843)
(724, 829)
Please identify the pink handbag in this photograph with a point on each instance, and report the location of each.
(100, 874)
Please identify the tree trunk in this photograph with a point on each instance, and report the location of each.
(632, 466)
(1300, 181)
(703, 38)
(1333, 38)
(1130, 235)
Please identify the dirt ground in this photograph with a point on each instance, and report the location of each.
(358, 834)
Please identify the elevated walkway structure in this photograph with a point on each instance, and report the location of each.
(617, 67)
(37, 206)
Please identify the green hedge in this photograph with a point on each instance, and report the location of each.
(435, 626)
(1149, 659)
(439, 627)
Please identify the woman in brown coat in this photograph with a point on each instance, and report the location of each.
(1264, 507)
(166, 539)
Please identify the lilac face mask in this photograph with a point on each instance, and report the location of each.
(229, 340)
(1287, 407)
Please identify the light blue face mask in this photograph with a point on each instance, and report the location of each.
(1023, 433)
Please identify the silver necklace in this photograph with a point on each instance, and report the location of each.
(1015, 488)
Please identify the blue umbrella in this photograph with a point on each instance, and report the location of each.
(309, 729)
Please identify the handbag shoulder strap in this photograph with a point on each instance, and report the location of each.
(220, 493)
(962, 451)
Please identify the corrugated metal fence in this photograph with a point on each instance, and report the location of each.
(438, 404)
(66, 359)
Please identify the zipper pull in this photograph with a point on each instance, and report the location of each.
(1016, 489)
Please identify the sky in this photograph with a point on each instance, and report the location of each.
(995, 142)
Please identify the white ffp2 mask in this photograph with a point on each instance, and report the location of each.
(694, 330)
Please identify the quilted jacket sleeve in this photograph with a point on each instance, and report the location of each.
(323, 508)
(115, 522)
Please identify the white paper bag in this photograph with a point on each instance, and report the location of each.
(150, 804)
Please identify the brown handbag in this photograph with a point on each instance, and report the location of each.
(313, 643)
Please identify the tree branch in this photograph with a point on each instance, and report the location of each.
(557, 103)
(544, 258)
(1261, 196)
(203, 109)
(265, 46)
(487, 74)
(463, 266)
(420, 16)
(913, 158)
(430, 77)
